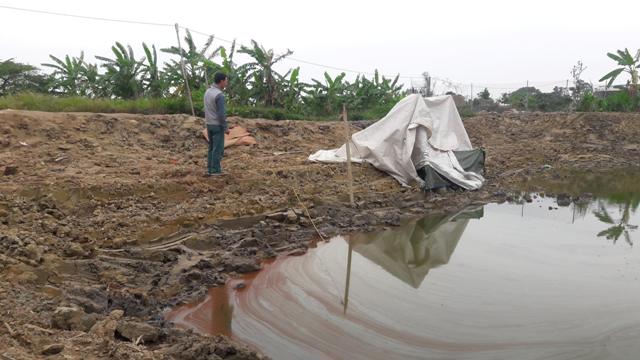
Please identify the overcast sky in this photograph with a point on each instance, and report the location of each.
(500, 44)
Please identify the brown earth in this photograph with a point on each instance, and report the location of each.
(106, 220)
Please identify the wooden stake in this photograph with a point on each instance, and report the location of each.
(347, 132)
(184, 71)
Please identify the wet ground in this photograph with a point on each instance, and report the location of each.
(106, 221)
(502, 281)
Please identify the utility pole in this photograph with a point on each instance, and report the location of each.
(568, 94)
(184, 72)
(526, 97)
(471, 97)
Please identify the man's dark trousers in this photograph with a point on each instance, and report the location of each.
(216, 148)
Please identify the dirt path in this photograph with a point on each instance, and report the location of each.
(106, 221)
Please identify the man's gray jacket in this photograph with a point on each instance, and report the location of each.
(214, 111)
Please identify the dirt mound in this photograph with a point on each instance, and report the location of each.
(102, 213)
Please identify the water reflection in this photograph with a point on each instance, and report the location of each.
(615, 209)
(521, 283)
(621, 226)
(613, 190)
(212, 316)
(410, 251)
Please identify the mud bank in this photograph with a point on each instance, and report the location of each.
(106, 221)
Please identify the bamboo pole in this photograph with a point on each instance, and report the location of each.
(184, 72)
(347, 132)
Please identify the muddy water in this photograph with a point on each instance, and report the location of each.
(512, 281)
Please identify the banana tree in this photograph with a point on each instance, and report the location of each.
(152, 78)
(68, 74)
(237, 90)
(365, 94)
(123, 73)
(196, 63)
(327, 97)
(292, 89)
(627, 63)
(264, 86)
(93, 85)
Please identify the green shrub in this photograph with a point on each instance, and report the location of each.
(588, 103)
(620, 101)
(375, 113)
(466, 111)
(271, 113)
(43, 102)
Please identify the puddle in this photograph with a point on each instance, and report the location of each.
(508, 281)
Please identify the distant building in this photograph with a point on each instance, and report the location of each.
(603, 91)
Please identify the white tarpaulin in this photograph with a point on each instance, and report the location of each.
(408, 252)
(415, 133)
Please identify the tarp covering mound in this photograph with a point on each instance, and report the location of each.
(236, 136)
(418, 134)
(410, 251)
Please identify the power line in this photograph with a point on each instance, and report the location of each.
(303, 61)
(447, 82)
(207, 35)
(84, 16)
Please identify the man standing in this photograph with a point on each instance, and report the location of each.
(216, 120)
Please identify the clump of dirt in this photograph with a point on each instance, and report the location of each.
(106, 220)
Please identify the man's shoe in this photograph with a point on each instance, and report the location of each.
(219, 174)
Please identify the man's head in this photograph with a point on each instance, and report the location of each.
(221, 80)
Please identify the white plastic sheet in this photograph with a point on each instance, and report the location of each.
(416, 132)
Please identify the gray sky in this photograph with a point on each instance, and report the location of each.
(494, 43)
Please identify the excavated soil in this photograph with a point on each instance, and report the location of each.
(106, 220)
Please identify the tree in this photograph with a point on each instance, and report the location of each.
(580, 87)
(522, 99)
(123, 73)
(484, 102)
(365, 94)
(327, 97)
(196, 63)
(264, 86)
(484, 94)
(72, 76)
(292, 89)
(152, 78)
(557, 100)
(237, 89)
(17, 77)
(530, 98)
(627, 63)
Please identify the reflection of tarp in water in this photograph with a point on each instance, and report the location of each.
(409, 252)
